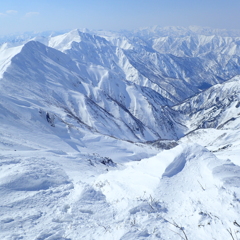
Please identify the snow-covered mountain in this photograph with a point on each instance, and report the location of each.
(85, 117)
(215, 107)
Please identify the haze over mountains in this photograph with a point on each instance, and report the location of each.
(85, 118)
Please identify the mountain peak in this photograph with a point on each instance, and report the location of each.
(64, 41)
(6, 55)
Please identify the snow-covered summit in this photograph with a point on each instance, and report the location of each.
(64, 41)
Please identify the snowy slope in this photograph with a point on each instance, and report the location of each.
(57, 195)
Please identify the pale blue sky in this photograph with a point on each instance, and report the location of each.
(40, 15)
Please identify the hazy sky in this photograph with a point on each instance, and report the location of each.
(40, 15)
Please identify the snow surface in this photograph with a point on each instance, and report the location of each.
(91, 146)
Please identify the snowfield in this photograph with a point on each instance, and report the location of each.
(120, 136)
(59, 195)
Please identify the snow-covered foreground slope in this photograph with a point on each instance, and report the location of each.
(177, 192)
(84, 121)
(185, 191)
